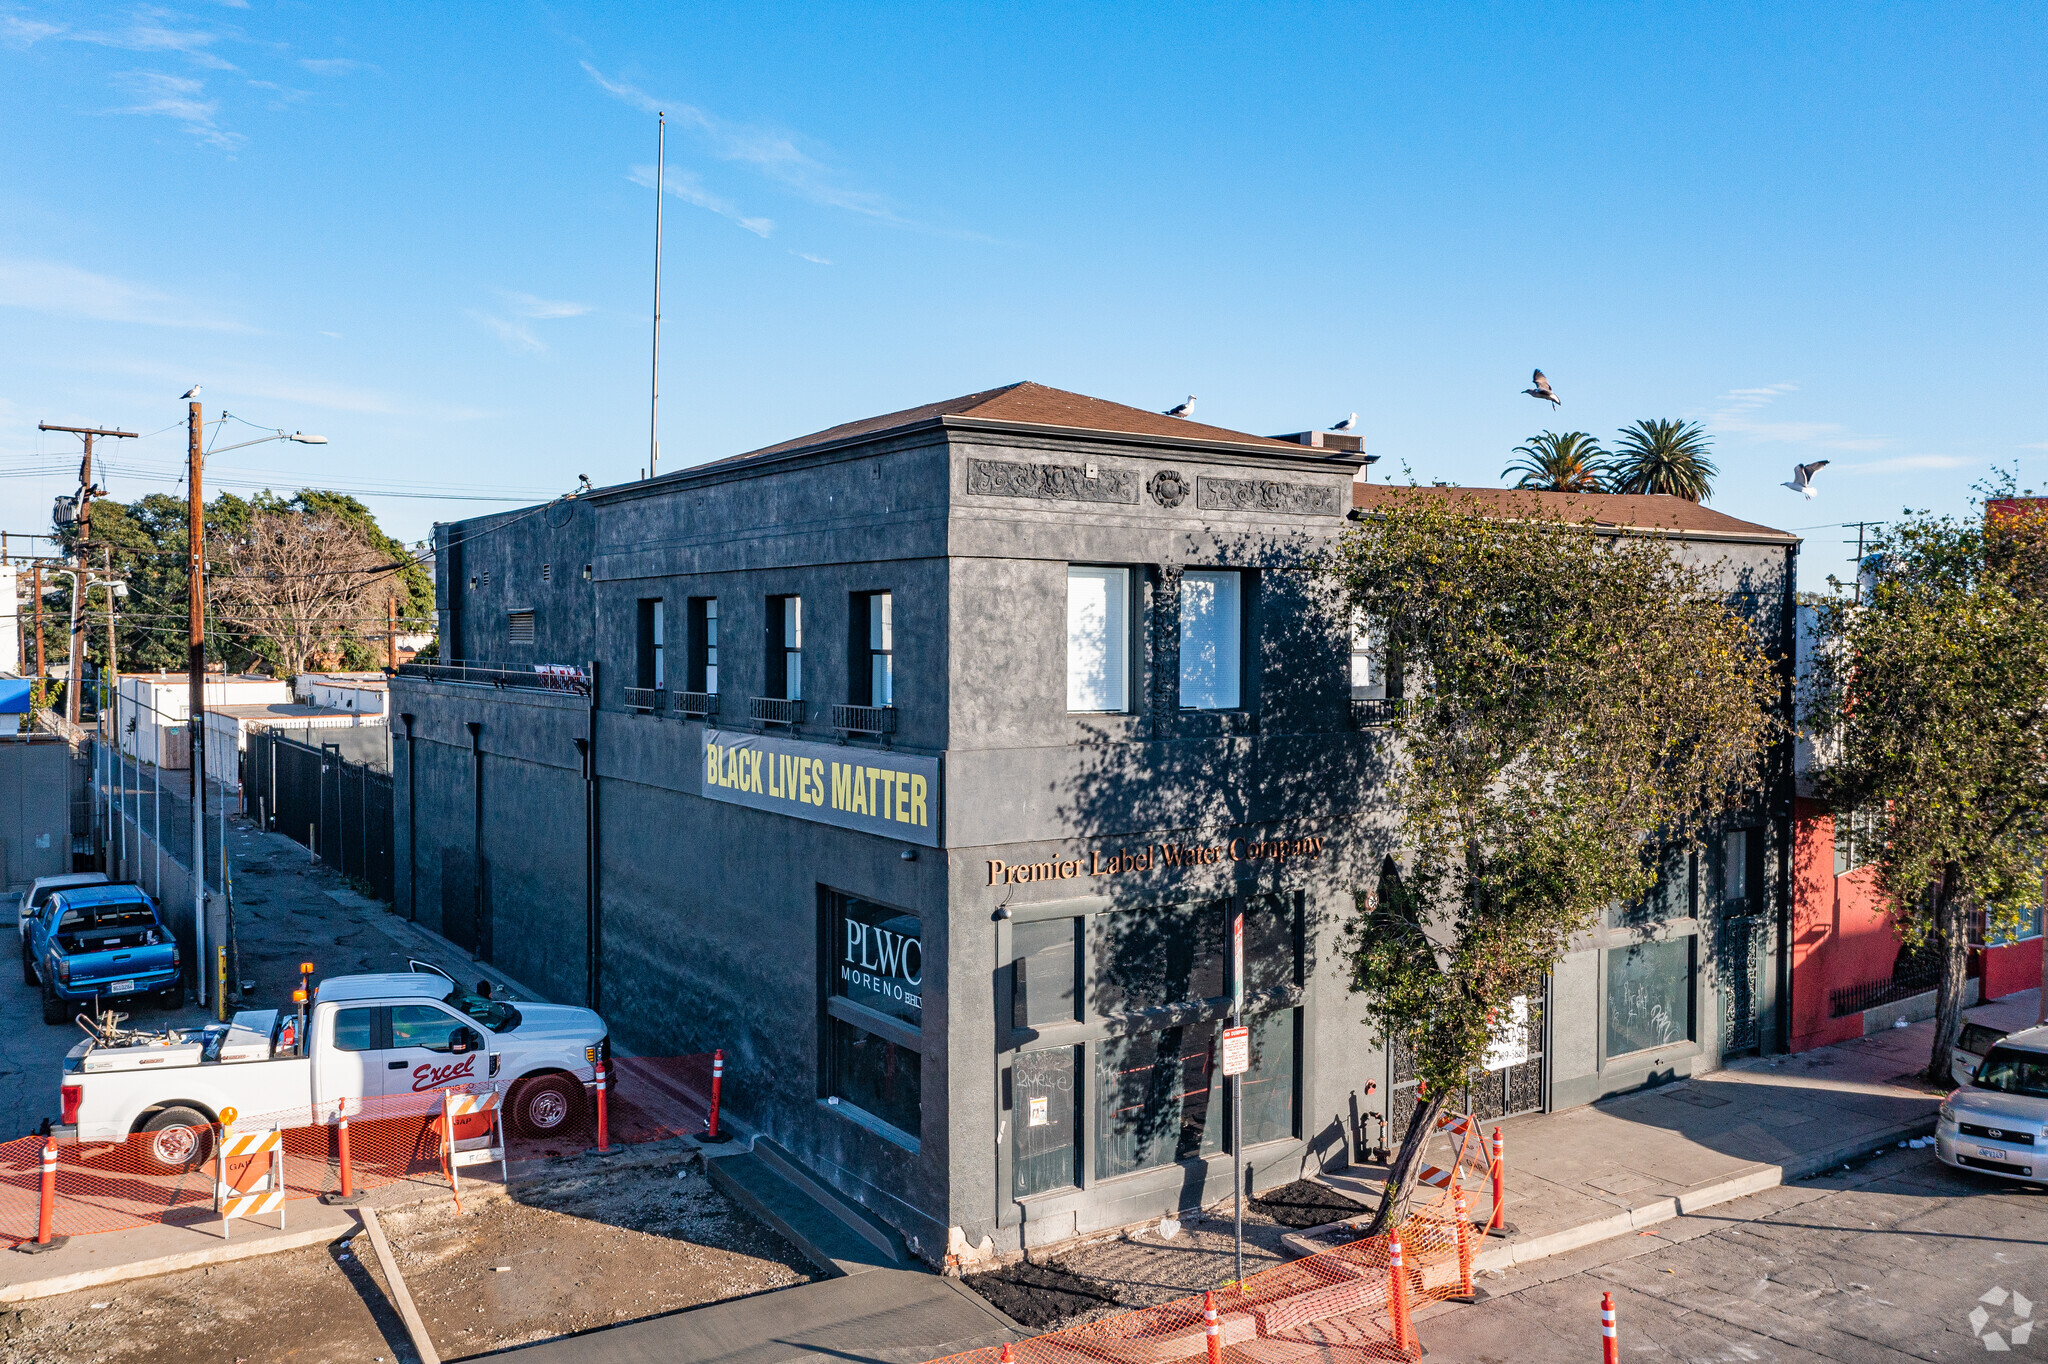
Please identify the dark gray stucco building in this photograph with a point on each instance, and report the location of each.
(954, 770)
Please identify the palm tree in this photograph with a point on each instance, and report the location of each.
(1657, 456)
(1554, 463)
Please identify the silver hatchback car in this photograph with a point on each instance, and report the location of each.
(1998, 1123)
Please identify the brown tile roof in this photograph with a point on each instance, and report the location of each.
(1606, 509)
(1033, 404)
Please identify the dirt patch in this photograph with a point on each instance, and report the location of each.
(1305, 1203)
(592, 1246)
(1041, 1296)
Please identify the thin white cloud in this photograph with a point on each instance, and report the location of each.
(2037, 445)
(686, 186)
(180, 99)
(151, 30)
(1907, 464)
(18, 32)
(65, 291)
(335, 66)
(515, 335)
(815, 260)
(770, 152)
(1733, 413)
(526, 305)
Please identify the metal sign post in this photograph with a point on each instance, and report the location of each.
(1236, 1061)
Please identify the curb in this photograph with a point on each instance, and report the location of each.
(1301, 1244)
(227, 1252)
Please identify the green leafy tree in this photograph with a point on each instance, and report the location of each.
(1558, 462)
(1578, 703)
(1658, 456)
(1928, 707)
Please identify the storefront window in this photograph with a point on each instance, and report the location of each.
(1267, 1089)
(1146, 958)
(1649, 995)
(1042, 989)
(1270, 926)
(1153, 1099)
(877, 1076)
(1044, 1104)
(1670, 898)
(875, 1008)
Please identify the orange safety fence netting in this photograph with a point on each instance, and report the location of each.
(1335, 1307)
(169, 1175)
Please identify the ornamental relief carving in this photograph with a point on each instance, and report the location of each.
(1168, 488)
(1267, 494)
(1054, 482)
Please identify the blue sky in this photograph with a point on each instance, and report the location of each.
(425, 232)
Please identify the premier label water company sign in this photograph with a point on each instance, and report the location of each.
(895, 795)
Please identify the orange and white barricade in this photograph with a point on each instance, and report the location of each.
(248, 1176)
(472, 1150)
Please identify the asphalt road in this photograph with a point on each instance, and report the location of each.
(1888, 1262)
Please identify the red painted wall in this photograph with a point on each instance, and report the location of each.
(2013, 968)
(1839, 936)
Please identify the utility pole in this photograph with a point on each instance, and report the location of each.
(41, 671)
(391, 632)
(654, 398)
(86, 493)
(195, 667)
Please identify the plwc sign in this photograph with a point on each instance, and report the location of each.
(895, 795)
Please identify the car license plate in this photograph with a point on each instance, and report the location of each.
(121, 987)
(1993, 1153)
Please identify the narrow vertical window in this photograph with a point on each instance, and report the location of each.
(650, 672)
(1098, 638)
(704, 645)
(1367, 679)
(872, 675)
(786, 648)
(1211, 640)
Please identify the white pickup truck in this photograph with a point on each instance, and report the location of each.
(366, 1037)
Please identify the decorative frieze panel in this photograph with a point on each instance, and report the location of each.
(1053, 482)
(1269, 495)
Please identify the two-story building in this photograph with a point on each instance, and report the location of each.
(955, 771)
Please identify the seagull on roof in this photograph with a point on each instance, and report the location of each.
(1350, 423)
(1802, 477)
(1542, 388)
(1182, 409)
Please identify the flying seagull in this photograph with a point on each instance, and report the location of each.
(1802, 477)
(1182, 409)
(190, 394)
(1542, 388)
(1348, 424)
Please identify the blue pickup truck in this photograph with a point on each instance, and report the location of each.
(100, 944)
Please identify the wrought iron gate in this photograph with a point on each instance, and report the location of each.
(1740, 943)
(1520, 1088)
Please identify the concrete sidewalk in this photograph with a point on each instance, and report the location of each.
(1610, 1168)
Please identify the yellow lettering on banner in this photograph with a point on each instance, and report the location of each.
(758, 764)
(902, 785)
(775, 775)
(863, 786)
(842, 781)
(711, 764)
(917, 815)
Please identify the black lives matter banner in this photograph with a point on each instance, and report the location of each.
(895, 795)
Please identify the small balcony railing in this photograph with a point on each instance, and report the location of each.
(864, 719)
(1373, 712)
(651, 699)
(701, 705)
(773, 710)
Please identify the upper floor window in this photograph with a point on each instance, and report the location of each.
(649, 651)
(1368, 667)
(1098, 638)
(874, 650)
(1856, 840)
(786, 648)
(704, 644)
(1211, 640)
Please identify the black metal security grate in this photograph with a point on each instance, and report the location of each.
(341, 810)
(1915, 972)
